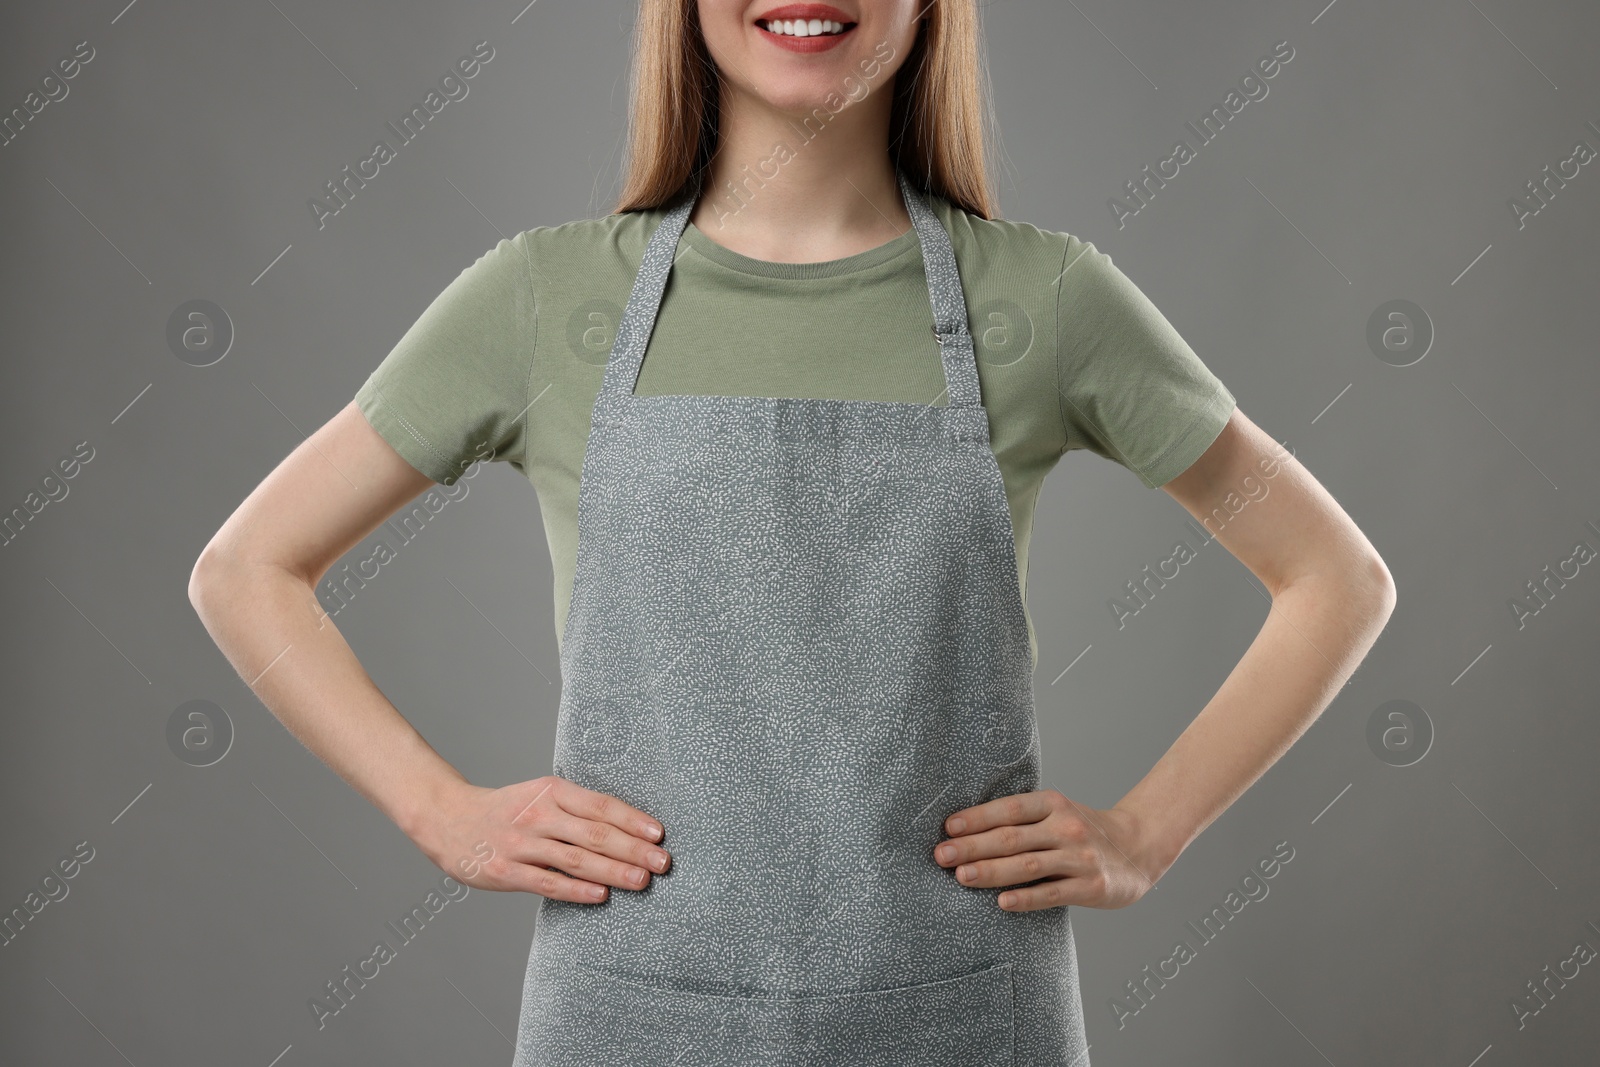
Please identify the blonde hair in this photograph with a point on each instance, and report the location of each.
(938, 124)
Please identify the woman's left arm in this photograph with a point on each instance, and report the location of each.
(1331, 597)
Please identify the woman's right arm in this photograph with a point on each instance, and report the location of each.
(254, 588)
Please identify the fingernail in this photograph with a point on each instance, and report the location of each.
(637, 876)
(597, 891)
(652, 831)
(964, 871)
(658, 860)
(958, 825)
(1006, 900)
(947, 852)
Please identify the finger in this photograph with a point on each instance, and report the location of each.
(603, 807)
(1001, 841)
(1023, 867)
(1002, 811)
(605, 840)
(510, 875)
(1052, 894)
(582, 864)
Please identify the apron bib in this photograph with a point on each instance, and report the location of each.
(796, 638)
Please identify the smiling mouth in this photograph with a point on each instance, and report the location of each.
(801, 28)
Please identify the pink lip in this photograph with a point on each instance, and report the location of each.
(799, 12)
(805, 11)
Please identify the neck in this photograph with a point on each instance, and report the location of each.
(789, 189)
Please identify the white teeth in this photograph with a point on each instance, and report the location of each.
(804, 28)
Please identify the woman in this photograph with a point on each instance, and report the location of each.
(795, 814)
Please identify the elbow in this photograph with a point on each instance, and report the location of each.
(1380, 583)
(203, 577)
(224, 577)
(1361, 582)
(198, 576)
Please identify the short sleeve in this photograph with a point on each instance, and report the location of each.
(453, 390)
(1131, 389)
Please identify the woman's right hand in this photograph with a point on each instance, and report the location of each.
(547, 836)
(254, 587)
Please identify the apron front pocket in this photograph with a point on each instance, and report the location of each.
(578, 1016)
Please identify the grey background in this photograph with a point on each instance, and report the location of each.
(1420, 899)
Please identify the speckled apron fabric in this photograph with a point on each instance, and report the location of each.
(796, 638)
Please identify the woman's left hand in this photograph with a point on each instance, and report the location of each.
(1097, 859)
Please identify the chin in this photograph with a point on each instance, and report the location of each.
(804, 97)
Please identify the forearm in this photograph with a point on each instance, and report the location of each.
(270, 626)
(1315, 635)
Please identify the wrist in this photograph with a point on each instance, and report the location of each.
(420, 806)
(1154, 843)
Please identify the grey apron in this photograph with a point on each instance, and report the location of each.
(796, 638)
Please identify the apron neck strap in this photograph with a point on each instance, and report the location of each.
(945, 296)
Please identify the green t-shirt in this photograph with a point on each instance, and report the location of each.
(506, 362)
